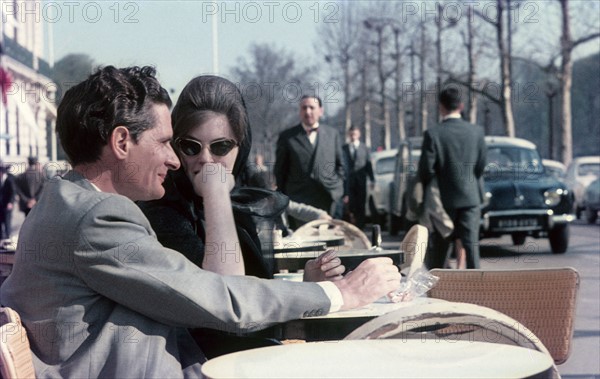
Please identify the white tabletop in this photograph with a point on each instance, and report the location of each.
(391, 358)
(377, 308)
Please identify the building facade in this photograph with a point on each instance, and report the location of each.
(28, 109)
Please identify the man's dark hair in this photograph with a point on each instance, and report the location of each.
(111, 97)
(450, 98)
(313, 97)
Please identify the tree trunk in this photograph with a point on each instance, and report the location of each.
(413, 80)
(347, 85)
(367, 111)
(506, 102)
(566, 148)
(385, 131)
(423, 81)
(471, 80)
(366, 105)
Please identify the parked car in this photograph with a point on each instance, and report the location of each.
(378, 195)
(405, 171)
(521, 198)
(581, 172)
(555, 168)
(591, 201)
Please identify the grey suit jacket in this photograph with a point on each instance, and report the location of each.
(454, 152)
(301, 169)
(100, 297)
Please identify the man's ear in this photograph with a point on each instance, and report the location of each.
(119, 142)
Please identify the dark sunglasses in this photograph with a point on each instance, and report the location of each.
(191, 147)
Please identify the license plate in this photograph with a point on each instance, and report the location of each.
(518, 222)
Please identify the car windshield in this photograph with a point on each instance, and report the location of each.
(385, 166)
(510, 158)
(589, 169)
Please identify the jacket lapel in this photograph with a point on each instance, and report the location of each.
(302, 140)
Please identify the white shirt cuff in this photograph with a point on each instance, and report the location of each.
(334, 295)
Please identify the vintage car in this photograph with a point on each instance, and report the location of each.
(521, 198)
(555, 168)
(581, 172)
(591, 201)
(378, 194)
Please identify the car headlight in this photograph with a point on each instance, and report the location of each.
(486, 198)
(552, 197)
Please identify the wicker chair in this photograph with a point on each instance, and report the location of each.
(15, 353)
(354, 237)
(414, 246)
(543, 300)
(451, 322)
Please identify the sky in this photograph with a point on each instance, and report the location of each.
(176, 36)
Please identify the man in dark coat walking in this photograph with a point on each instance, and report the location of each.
(454, 152)
(358, 165)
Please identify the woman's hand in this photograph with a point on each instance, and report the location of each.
(213, 179)
(222, 251)
(325, 267)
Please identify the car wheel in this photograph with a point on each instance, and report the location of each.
(559, 238)
(591, 215)
(518, 239)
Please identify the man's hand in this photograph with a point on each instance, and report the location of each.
(325, 267)
(371, 280)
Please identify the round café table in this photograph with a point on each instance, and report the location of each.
(337, 325)
(388, 358)
(329, 240)
(294, 256)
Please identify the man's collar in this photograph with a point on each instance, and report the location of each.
(309, 128)
(449, 116)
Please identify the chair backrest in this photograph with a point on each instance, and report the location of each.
(450, 321)
(354, 237)
(543, 300)
(15, 352)
(414, 246)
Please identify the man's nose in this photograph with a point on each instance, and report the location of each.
(173, 162)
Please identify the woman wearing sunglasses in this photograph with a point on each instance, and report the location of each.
(206, 213)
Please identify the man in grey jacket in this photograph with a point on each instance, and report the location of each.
(97, 293)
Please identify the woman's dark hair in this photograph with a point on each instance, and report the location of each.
(205, 96)
(111, 97)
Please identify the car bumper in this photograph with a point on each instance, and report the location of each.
(522, 220)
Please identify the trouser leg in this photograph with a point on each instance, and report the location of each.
(437, 251)
(467, 229)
